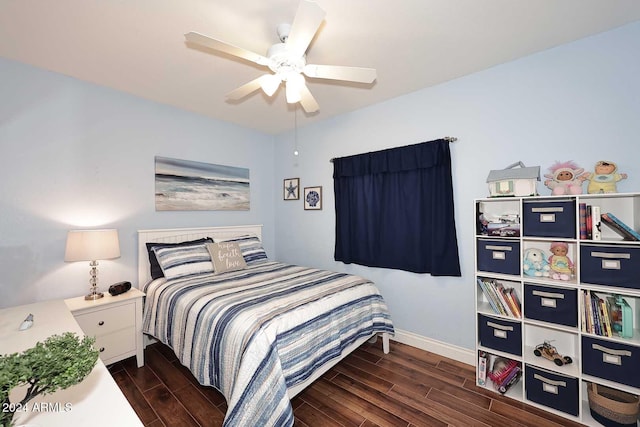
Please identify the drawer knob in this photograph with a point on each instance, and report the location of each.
(101, 349)
(100, 323)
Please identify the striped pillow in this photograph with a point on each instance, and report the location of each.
(250, 246)
(183, 261)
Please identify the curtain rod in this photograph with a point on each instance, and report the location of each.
(446, 138)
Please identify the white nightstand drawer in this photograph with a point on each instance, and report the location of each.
(110, 319)
(115, 322)
(116, 343)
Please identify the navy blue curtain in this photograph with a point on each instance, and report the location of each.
(394, 209)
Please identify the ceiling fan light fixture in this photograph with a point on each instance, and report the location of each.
(294, 83)
(269, 83)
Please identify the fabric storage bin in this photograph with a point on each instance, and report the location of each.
(553, 305)
(499, 256)
(500, 334)
(546, 218)
(611, 360)
(551, 389)
(610, 265)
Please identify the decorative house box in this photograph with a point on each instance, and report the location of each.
(512, 181)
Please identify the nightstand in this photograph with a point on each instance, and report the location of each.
(115, 322)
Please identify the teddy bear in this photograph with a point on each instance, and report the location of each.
(565, 178)
(604, 179)
(535, 263)
(561, 265)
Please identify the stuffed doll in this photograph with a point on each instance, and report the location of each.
(604, 179)
(535, 263)
(565, 178)
(561, 265)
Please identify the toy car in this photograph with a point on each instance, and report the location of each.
(548, 351)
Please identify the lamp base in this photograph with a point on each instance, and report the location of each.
(93, 296)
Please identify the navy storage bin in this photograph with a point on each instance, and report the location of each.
(610, 265)
(547, 218)
(611, 360)
(500, 334)
(499, 256)
(551, 389)
(553, 305)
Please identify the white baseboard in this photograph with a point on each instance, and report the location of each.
(460, 354)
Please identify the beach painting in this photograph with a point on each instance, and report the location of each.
(184, 185)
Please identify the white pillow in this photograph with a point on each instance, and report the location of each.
(183, 261)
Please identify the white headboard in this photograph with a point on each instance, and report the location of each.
(176, 235)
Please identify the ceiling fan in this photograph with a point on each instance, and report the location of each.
(287, 60)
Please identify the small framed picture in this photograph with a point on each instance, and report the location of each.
(313, 198)
(291, 189)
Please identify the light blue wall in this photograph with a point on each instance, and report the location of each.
(579, 101)
(75, 155)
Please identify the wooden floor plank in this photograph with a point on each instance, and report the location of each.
(169, 409)
(448, 415)
(135, 397)
(388, 403)
(198, 406)
(330, 407)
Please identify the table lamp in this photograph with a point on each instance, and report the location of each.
(92, 245)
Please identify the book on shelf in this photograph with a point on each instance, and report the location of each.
(482, 368)
(489, 296)
(596, 233)
(512, 297)
(620, 227)
(589, 222)
(587, 313)
(582, 212)
(503, 301)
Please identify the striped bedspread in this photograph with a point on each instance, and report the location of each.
(253, 333)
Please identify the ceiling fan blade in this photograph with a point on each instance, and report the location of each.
(305, 24)
(244, 90)
(225, 47)
(337, 72)
(307, 100)
(268, 82)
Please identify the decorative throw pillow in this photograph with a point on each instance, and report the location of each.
(155, 269)
(250, 246)
(180, 261)
(226, 256)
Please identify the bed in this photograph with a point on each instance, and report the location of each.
(259, 332)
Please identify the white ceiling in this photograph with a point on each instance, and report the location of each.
(137, 46)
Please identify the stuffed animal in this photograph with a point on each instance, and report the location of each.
(535, 263)
(565, 178)
(604, 179)
(561, 265)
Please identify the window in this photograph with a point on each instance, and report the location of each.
(394, 209)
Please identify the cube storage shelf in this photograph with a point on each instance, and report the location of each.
(557, 309)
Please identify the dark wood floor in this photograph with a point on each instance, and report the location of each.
(407, 387)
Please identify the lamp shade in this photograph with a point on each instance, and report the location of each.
(92, 245)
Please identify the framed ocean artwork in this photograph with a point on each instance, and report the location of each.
(185, 185)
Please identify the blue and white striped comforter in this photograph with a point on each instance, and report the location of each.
(253, 333)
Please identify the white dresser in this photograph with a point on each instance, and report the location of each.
(96, 401)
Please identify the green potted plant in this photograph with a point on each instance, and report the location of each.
(58, 363)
